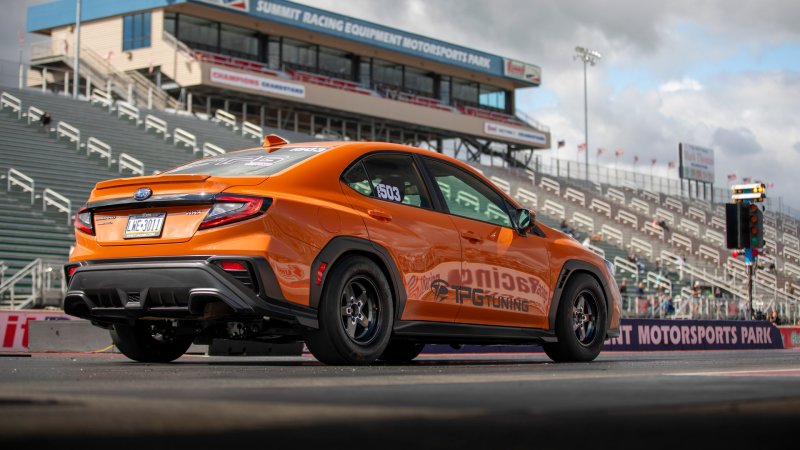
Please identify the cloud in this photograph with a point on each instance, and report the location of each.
(797, 146)
(738, 142)
(686, 84)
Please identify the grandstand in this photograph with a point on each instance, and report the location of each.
(621, 219)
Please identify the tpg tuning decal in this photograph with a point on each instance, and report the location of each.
(441, 291)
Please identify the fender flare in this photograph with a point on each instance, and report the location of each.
(567, 270)
(341, 245)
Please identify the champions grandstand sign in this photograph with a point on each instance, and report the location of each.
(345, 27)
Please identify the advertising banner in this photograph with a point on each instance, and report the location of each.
(247, 81)
(696, 163)
(522, 71)
(520, 134)
(14, 327)
(791, 337)
(650, 335)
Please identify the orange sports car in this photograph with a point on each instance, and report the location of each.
(363, 250)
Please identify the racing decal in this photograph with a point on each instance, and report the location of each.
(264, 161)
(479, 297)
(388, 192)
(307, 149)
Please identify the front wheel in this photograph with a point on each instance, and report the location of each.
(150, 342)
(580, 322)
(355, 314)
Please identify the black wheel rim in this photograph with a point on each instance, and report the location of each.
(360, 310)
(584, 318)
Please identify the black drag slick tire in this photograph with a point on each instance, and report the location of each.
(356, 314)
(398, 352)
(580, 321)
(140, 342)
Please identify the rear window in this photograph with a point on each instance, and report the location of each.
(249, 163)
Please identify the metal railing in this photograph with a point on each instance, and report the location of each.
(8, 100)
(58, 201)
(252, 130)
(527, 197)
(502, 184)
(158, 124)
(30, 285)
(102, 97)
(34, 114)
(623, 265)
(127, 161)
(181, 136)
(210, 149)
(72, 133)
(17, 178)
(94, 145)
(128, 110)
(226, 118)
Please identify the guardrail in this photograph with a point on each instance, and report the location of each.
(17, 178)
(102, 97)
(640, 205)
(128, 110)
(787, 227)
(584, 222)
(551, 185)
(643, 247)
(252, 130)
(679, 240)
(708, 253)
(94, 145)
(690, 227)
(653, 230)
(673, 204)
(159, 125)
(624, 217)
(30, 273)
(616, 195)
(789, 252)
(715, 237)
(791, 241)
(127, 161)
(623, 265)
(611, 234)
(696, 214)
(504, 185)
(72, 133)
(766, 278)
(179, 135)
(58, 201)
(34, 114)
(651, 196)
(555, 209)
(659, 280)
(600, 207)
(210, 149)
(770, 232)
(226, 119)
(770, 246)
(528, 198)
(717, 223)
(8, 100)
(665, 215)
(575, 196)
(791, 270)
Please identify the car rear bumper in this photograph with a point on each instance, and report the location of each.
(113, 291)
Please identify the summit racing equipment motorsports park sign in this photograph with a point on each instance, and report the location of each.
(648, 335)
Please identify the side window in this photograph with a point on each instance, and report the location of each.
(468, 196)
(392, 177)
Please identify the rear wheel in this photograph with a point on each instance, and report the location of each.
(580, 322)
(150, 342)
(399, 352)
(355, 314)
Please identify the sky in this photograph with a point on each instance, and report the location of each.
(722, 74)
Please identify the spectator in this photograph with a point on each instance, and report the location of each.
(45, 121)
(640, 291)
(668, 306)
(565, 228)
(632, 257)
(774, 318)
(663, 224)
(623, 287)
(717, 293)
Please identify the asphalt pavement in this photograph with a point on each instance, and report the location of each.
(724, 399)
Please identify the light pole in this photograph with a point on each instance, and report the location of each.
(76, 64)
(588, 57)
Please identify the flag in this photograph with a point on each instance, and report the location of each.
(746, 179)
(635, 159)
(653, 162)
(600, 151)
(671, 165)
(21, 38)
(731, 177)
(619, 152)
(581, 147)
(561, 144)
(771, 185)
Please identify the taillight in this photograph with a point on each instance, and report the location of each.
(83, 221)
(233, 208)
(69, 270)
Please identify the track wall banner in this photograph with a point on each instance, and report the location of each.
(791, 337)
(653, 335)
(14, 327)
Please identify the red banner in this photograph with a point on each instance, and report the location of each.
(791, 337)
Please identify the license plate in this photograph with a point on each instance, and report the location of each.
(144, 225)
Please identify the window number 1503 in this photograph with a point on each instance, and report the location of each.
(387, 192)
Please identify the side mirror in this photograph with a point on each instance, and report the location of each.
(524, 220)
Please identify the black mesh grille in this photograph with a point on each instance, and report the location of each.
(104, 298)
(167, 297)
(243, 276)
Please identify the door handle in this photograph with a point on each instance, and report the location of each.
(471, 236)
(380, 215)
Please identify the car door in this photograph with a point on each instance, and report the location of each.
(505, 275)
(387, 188)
